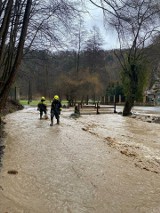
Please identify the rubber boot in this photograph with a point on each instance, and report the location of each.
(58, 121)
(51, 123)
(41, 115)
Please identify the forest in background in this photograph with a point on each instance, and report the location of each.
(94, 73)
(45, 74)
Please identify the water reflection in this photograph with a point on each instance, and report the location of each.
(147, 110)
(142, 109)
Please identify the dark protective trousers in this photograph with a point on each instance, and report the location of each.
(56, 114)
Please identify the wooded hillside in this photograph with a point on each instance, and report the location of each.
(46, 73)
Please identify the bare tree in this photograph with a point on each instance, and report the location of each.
(135, 21)
(40, 24)
(13, 30)
(78, 41)
(50, 24)
(93, 49)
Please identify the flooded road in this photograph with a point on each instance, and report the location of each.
(93, 164)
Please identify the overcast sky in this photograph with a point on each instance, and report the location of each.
(96, 18)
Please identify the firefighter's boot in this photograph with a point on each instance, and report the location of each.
(51, 124)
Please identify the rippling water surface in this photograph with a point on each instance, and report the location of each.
(97, 163)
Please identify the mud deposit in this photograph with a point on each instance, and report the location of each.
(93, 164)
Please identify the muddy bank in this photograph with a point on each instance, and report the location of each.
(11, 106)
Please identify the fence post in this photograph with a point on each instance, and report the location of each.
(97, 109)
(109, 99)
(115, 107)
(119, 99)
(114, 98)
(77, 109)
(87, 100)
(15, 93)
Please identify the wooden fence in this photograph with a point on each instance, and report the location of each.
(95, 109)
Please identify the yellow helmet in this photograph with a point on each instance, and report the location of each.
(56, 97)
(43, 99)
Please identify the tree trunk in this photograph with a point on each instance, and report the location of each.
(6, 88)
(128, 106)
(29, 92)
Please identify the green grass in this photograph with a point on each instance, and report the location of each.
(23, 102)
(35, 102)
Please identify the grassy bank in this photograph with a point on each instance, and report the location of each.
(34, 103)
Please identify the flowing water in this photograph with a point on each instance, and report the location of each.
(94, 164)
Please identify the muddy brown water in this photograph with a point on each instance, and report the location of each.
(94, 164)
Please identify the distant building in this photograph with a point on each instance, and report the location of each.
(153, 95)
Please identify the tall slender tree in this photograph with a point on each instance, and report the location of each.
(13, 31)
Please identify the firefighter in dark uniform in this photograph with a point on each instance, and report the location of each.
(56, 108)
(42, 107)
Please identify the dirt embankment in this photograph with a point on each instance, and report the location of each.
(11, 106)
